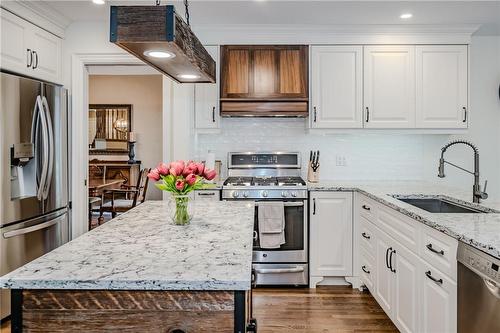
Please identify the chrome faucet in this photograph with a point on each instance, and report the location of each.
(476, 190)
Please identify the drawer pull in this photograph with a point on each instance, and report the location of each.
(429, 246)
(365, 207)
(429, 275)
(365, 235)
(364, 269)
(206, 194)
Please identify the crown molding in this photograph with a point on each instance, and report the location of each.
(40, 14)
(335, 34)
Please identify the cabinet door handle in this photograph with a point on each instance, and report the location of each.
(213, 114)
(314, 113)
(365, 270)
(29, 56)
(314, 206)
(387, 257)
(390, 261)
(205, 194)
(429, 275)
(440, 252)
(365, 207)
(35, 65)
(365, 235)
(367, 114)
(465, 114)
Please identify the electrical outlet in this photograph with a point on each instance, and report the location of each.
(340, 160)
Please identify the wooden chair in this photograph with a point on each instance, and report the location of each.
(124, 198)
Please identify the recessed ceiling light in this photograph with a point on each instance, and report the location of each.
(189, 76)
(159, 54)
(406, 15)
(99, 2)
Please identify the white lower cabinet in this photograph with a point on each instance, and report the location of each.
(330, 234)
(414, 294)
(439, 301)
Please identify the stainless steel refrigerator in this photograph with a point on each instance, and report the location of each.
(34, 166)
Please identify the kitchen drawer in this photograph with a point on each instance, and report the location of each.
(400, 227)
(366, 235)
(439, 250)
(212, 195)
(367, 269)
(367, 208)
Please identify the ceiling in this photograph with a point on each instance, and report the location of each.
(486, 14)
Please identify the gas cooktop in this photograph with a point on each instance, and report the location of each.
(265, 181)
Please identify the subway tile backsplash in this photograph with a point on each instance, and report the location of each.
(367, 156)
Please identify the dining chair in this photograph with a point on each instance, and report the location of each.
(120, 200)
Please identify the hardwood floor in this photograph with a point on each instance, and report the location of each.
(322, 310)
(325, 309)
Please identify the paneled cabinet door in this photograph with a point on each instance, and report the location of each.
(331, 234)
(47, 49)
(384, 287)
(406, 269)
(206, 103)
(441, 79)
(439, 301)
(15, 54)
(389, 86)
(337, 88)
(26, 49)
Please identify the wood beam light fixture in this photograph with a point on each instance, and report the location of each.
(158, 36)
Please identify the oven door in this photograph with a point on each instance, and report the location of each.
(295, 248)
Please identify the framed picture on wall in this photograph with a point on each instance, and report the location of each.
(109, 127)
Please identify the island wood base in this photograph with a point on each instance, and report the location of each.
(130, 311)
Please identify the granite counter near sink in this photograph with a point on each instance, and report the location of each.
(481, 230)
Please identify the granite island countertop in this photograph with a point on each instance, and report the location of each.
(143, 250)
(480, 230)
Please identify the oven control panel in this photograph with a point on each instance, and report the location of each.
(264, 194)
(480, 262)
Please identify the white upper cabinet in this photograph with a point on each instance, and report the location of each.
(206, 98)
(14, 50)
(331, 234)
(337, 88)
(29, 50)
(389, 86)
(441, 86)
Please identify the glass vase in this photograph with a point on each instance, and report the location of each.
(181, 209)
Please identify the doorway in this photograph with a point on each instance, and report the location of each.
(125, 135)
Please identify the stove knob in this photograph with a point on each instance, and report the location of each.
(264, 194)
(284, 194)
(236, 194)
(245, 194)
(294, 194)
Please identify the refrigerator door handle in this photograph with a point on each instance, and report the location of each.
(18, 232)
(45, 148)
(50, 168)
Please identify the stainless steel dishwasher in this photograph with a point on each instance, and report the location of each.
(478, 291)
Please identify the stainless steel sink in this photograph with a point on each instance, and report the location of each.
(439, 205)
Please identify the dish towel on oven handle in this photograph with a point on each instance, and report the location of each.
(271, 217)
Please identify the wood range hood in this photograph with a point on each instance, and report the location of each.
(264, 81)
(159, 37)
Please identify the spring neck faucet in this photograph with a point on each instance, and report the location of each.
(477, 193)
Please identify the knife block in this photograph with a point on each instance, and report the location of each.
(312, 176)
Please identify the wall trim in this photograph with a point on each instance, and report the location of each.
(79, 129)
(335, 34)
(40, 14)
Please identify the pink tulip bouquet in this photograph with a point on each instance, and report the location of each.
(180, 178)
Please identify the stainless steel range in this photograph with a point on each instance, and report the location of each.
(273, 176)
